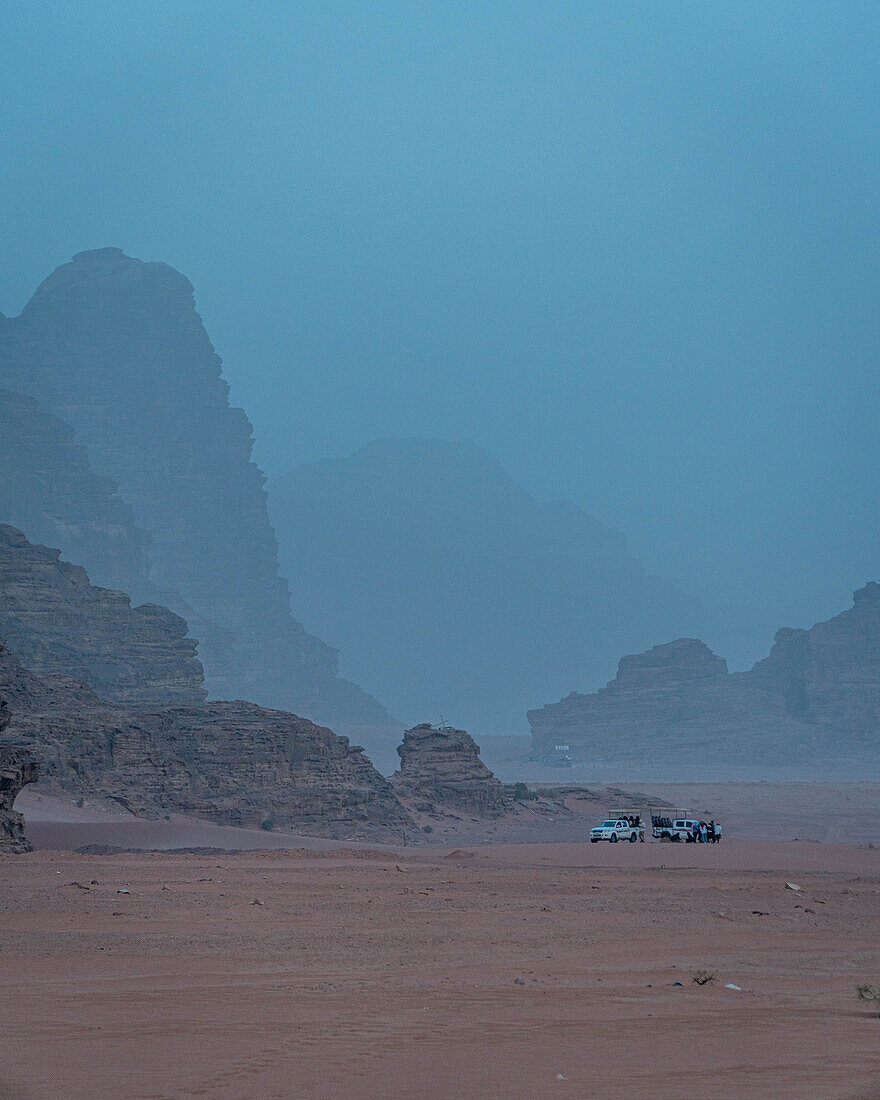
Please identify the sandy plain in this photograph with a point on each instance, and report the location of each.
(497, 971)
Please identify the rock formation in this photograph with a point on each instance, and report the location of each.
(441, 769)
(56, 622)
(233, 763)
(17, 769)
(114, 348)
(447, 587)
(830, 675)
(49, 491)
(814, 699)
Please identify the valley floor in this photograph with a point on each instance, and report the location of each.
(500, 971)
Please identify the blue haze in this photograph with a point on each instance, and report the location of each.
(631, 249)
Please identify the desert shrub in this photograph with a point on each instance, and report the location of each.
(870, 994)
(427, 828)
(520, 792)
(703, 977)
(268, 823)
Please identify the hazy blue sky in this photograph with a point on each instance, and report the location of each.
(630, 248)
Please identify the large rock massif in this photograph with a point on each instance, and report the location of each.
(114, 348)
(814, 700)
(449, 589)
(56, 622)
(233, 763)
(441, 769)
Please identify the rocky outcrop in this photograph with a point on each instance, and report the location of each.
(58, 623)
(233, 763)
(17, 769)
(446, 585)
(114, 348)
(441, 769)
(829, 675)
(241, 764)
(814, 699)
(49, 491)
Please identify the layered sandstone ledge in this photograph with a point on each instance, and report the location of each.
(56, 622)
(441, 769)
(814, 699)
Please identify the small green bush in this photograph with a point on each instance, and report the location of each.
(268, 823)
(520, 792)
(427, 828)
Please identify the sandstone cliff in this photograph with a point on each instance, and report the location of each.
(56, 622)
(114, 347)
(233, 763)
(814, 700)
(49, 491)
(17, 769)
(441, 769)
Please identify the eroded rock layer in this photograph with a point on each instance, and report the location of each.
(814, 699)
(441, 769)
(233, 763)
(49, 491)
(17, 769)
(58, 623)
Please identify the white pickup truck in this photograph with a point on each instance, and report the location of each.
(666, 826)
(617, 829)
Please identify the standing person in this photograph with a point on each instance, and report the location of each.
(695, 832)
(704, 832)
(711, 836)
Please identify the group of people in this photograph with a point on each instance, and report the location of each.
(704, 833)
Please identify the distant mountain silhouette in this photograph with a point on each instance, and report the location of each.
(449, 589)
(113, 348)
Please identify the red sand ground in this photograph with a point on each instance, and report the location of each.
(381, 974)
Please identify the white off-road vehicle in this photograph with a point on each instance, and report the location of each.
(615, 829)
(677, 826)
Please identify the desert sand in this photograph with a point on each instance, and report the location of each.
(498, 971)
